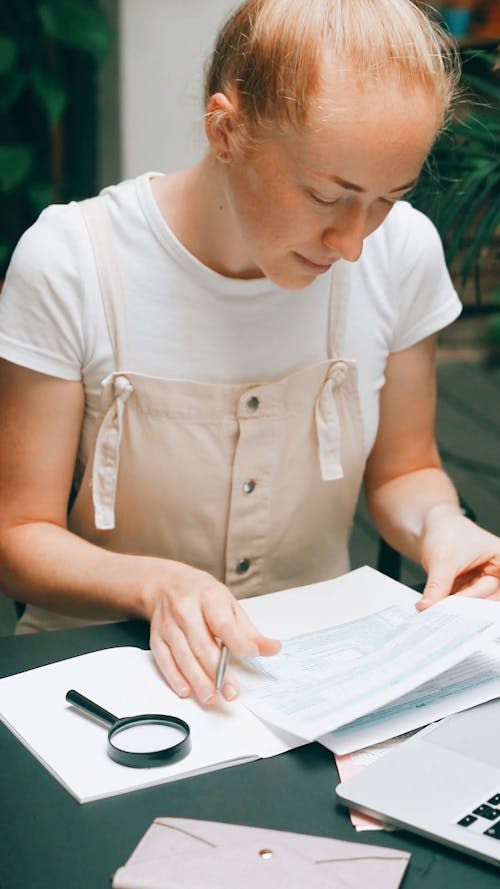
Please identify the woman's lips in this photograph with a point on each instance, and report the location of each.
(316, 267)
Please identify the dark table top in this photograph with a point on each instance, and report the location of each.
(49, 841)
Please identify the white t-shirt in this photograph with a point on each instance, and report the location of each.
(186, 321)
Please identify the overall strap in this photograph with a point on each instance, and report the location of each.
(328, 424)
(98, 224)
(339, 296)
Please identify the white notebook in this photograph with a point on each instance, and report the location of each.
(126, 682)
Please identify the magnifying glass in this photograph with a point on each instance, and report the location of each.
(151, 739)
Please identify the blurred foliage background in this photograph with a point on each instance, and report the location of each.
(50, 51)
(460, 185)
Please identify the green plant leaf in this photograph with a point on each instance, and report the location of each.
(493, 331)
(11, 88)
(483, 236)
(5, 250)
(51, 92)
(77, 23)
(484, 130)
(460, 184)
(40, 195)
(8, 54)
(468, 217)
(483, 87)
(15, 164)
(454, 204)
(484, 54)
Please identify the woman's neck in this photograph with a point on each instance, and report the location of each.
(194, 204)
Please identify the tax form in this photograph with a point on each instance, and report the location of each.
(330, 677)
(470, 682)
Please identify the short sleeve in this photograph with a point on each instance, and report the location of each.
(425, 299)
(44, 304)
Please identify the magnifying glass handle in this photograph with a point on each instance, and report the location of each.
(88, 706)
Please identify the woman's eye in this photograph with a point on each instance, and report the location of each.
(325, 202)
(404, 196)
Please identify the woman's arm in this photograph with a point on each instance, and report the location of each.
(404, 478)
(412, 500)
(43, 563)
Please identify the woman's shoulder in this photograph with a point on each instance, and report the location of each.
(41, 305)
(52, 240)
(407, 227)
(417, 289)
(58, 241)
(52, 264)
(406, 241)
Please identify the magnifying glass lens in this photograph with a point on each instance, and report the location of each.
(147, 737)
(139, 742)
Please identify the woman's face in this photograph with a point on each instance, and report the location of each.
(302, 200)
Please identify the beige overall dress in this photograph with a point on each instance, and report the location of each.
(256, 484)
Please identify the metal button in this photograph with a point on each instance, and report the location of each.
(266, 853)
(243, 566)
(249, 486)
(253, 403)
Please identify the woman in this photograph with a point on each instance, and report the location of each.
(226, 353)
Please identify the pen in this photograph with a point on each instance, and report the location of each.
(221, 669)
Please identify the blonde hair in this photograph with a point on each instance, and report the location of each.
(273, 54)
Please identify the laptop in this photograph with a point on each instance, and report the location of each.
(443, 783)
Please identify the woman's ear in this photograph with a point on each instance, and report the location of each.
(221, 124)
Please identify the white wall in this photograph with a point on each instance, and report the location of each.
(109, 164)
(163, 45)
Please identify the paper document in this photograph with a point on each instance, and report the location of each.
(466, 684)
(329, 677)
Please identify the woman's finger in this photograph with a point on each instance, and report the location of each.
(206, 651)
(466, 579)
(167, 666)
(230, 689)
(233, 626)
(188, 615)
(485, 587)
(440, 578)
(190, 663)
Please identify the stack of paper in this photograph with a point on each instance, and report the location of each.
(377, 676)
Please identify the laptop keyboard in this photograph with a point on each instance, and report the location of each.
(485, 818)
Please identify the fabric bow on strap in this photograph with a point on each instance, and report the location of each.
(107, 451)
(328, 424)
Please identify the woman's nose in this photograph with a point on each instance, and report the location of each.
(346, 236)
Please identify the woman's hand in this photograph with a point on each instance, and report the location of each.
(190, 610)
(460, 558)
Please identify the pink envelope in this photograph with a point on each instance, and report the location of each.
(181, 852)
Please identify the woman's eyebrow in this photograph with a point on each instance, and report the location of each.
(351, 186)
(405, 186)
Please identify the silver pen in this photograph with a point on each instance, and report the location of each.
(221, 669)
